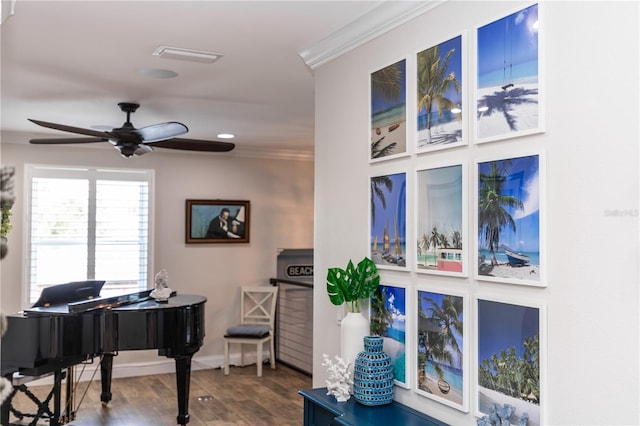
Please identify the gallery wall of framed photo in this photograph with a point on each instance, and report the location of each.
(454, 213)
(494, 174)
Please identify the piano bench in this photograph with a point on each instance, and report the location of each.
(19, 379)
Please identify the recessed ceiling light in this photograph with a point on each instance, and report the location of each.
(226, 135)
(187, 54)
(157, 73)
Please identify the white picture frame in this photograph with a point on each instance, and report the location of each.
(442, 346)
(508, 76)
(441, 219)
(518, 254)
(505, 337)
(448, 128)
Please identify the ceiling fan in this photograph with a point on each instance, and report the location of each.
(131, 141)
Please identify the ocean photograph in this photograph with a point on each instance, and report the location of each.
(439, 90)
(509, 219)
(439, 232)
(388, 319)
(508, 76)
(389, 111)
(440, 348)
(509, 359)
(389, 220)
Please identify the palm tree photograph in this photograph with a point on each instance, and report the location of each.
(439, 230)
(389, 111)
(441, 360)
(509, 220)
(439, 90)
(388, 320)
(388, 220)
(509, 358)
(508, 77)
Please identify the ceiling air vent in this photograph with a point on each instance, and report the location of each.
(187, 54)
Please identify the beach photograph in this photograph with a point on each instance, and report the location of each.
(439, 90)
(508, 83)
(389, 220)
(439, 232)
(389, 111)
(441, 373)
(509, 220)
(509, 359)
(388, 319)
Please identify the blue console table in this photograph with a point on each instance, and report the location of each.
(321, 409)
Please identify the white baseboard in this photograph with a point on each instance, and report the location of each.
(161, 366)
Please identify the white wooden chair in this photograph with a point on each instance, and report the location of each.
(257, 313)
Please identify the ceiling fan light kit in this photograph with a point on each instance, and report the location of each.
(131, 141)
(187, 54)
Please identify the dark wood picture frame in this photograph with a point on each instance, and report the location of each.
(217, 221)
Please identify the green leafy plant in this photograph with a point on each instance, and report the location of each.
(5, 227)
(352, 284)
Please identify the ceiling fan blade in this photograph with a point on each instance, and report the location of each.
(71, 129)
(195, 145)
(161, 131)
(66, 141)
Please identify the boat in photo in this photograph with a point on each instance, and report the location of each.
(397, 257)
(444, 386)
(516, 258)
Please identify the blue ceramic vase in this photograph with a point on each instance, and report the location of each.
(373, 374)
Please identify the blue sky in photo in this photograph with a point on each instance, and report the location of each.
(454, 65)
(502, 325)
(512, 40)
(523, 183)
(380, 103)
(396, 304)
(396, 202)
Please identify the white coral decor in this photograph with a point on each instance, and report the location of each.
(339, 383)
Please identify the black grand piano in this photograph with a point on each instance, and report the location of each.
(71, 324)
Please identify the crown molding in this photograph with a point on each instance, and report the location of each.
(380, 20)
(7, 9)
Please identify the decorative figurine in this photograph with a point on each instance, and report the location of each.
(162, 292)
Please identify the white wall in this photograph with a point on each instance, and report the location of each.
(281, 196)
(591, 147)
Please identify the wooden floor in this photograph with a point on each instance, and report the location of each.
(241, 398)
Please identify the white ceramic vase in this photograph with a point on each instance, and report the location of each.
(354, 328)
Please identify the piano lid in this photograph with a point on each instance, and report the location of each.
(90, 304)
(70, 292)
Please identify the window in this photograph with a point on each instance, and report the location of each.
(88, 224)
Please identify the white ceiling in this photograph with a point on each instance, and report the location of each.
(71, 62)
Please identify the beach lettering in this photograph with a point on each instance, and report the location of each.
(300, 270)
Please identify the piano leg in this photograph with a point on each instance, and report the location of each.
(183, 377)
(106, 367)
(57, 397)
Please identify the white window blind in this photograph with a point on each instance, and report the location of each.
(88, 224)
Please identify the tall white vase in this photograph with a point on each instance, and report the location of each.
(354, 328)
